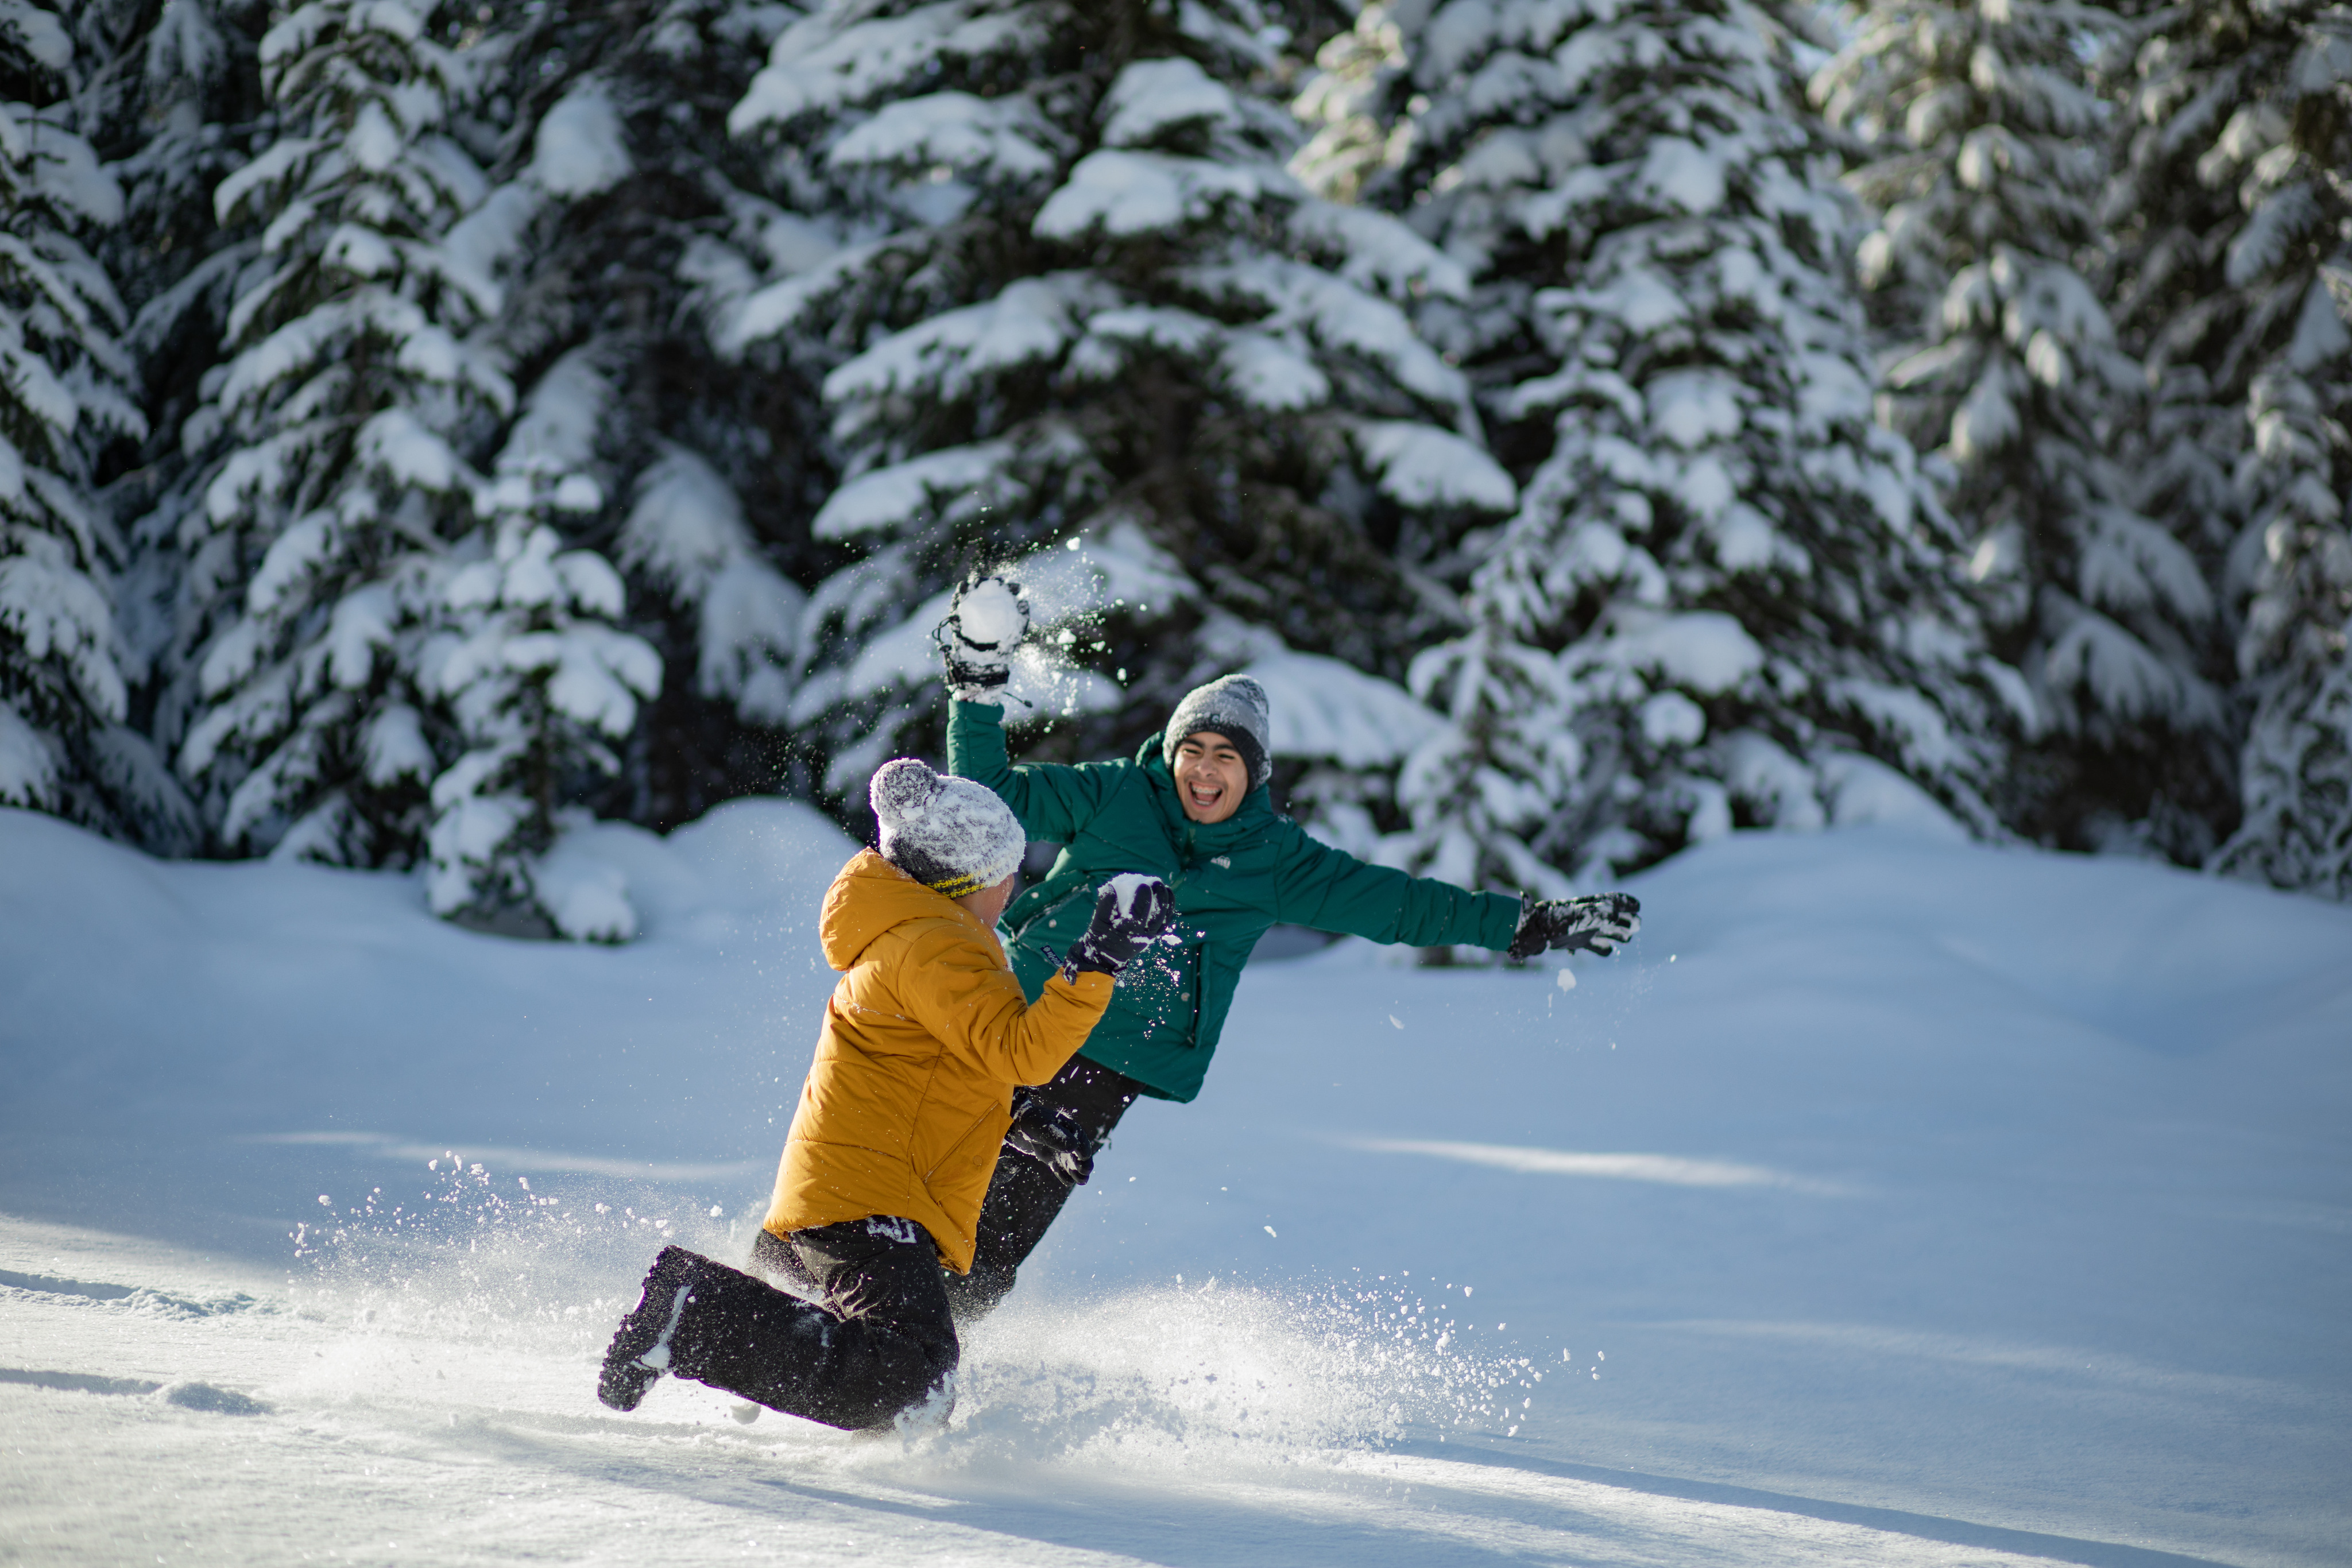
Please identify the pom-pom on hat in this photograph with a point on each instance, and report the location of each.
(1234, 706)
(951, 834)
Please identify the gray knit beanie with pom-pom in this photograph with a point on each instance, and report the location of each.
(951, 834)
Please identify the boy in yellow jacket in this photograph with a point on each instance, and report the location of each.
(898, 1127)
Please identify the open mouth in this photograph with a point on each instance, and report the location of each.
(1205, 794)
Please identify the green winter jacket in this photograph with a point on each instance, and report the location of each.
(1232, 880)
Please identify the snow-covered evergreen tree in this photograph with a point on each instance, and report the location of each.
(1065, 294)
(540, 681)
(174, 110)
(2157, 216)
(174, 107)
(2232, 211)
(1986, 165)
(626, 209)
(64, 745)
(1727, 596)
(342, 421)
(168, 93)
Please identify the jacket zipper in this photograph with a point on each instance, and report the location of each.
(1200, 964)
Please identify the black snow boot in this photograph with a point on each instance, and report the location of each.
(640, 1350)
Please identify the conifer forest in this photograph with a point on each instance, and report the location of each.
(1607, 424)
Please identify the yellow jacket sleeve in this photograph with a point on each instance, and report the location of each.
(965, 995)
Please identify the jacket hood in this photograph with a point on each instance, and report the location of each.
(869, 897)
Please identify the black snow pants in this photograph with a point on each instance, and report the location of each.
(1027, 1194)
(875, 1338)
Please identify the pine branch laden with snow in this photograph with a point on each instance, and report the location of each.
(1073, 297)
(65, 746)
(688, 537)
(1725, 589)
(1986, 165)
(2235, 226)
(1354, 104)
(2173, 74)
(337, 432)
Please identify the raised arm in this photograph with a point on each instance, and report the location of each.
(982, 632)
(1052, 800)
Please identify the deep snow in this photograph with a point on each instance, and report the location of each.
(1929, 1204)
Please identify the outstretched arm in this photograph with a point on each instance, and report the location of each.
(1332, 890)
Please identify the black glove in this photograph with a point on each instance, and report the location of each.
(1132, 911)
(1601, 924)
(1052, 1136)
(984, 625)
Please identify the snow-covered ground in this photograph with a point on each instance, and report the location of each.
(1890, 1200)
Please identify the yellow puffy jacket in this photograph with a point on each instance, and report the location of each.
(925, 1037)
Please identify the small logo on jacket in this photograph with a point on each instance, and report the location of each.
(885, 1228)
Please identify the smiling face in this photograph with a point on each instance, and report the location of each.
(1210, 776)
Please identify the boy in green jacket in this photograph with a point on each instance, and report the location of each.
(1191, 808)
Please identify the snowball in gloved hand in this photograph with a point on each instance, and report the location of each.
(976, 642)
(991, 614)
(1131, 912)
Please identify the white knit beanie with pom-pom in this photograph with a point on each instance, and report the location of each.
(951, 834)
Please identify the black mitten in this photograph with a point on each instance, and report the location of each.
(1132, 911)
(986, 623)
(1052, 1136)
(1601, 924)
